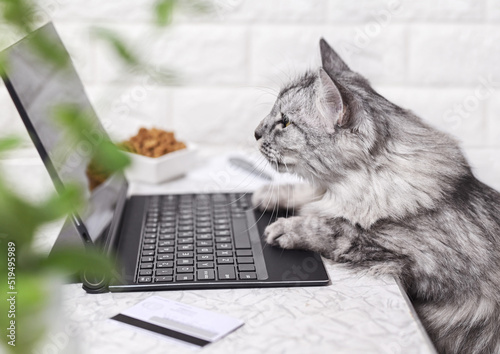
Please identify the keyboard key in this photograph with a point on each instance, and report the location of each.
(226, 272)
(149, 235)
(148, 253)
(170, 230)
(149, 241)
(222, 227)
(163, 279)
(221, 221)
(165, 250)
(186, 222)
(223, 246)
(222, 233)
(185, 248)
(144, 279)
(148, 247)
(186, 269)
(206, 274)
(146, 272)
(146, 265)
(147, 259)
(165, 257)
(224, 253)
(205, 250)
(204, 237)
(204, 230)
(203, 224)
(185, 228)
(241, 238)
(185, 240)
(225, 260)
(244, 253)
(165, 271)
(185, 261)
(248, 275)
(204, 265)
(246, 267)
(205, 257)
(185, 254)
(166, 243)
(185, 234)
(184, 277)
(204, 243)
(167, 237)
(245, 259)
(223, 239)
(168, 264)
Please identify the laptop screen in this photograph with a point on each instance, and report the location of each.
(38, 88)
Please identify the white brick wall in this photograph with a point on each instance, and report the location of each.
(439, 58)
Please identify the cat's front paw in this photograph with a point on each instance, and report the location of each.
(281, 233)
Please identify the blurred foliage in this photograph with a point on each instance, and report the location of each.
(21, 218)
(108, 157)
(118, 45)
(163, 11)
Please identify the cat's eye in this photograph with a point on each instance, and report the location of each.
(285, 120)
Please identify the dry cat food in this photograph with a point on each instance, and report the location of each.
(152, 143)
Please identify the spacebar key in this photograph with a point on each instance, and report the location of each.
(241, 237)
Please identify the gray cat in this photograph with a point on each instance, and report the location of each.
(388, 194)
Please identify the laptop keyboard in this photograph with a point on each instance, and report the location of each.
(200, 237)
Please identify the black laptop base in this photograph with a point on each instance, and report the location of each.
(199, 249)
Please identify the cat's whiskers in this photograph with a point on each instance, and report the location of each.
(263, 209)
(255, 175)
(288, 191)
(268, 90)
(257, 167)
(276, 206)
(260, 163)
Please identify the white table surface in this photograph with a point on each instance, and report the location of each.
(355, 314)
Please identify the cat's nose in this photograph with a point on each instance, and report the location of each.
(257, 135)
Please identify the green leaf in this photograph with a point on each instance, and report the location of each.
(50, 52)
(69, 200)
(110, 158)
(3, 65)
(164, 11)
(106, 156)
(9, 143)
(118, 45)
(72, 260)
(18, 13)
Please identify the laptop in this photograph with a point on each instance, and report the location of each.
(159, 242)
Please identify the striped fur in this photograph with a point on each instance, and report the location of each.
(391, 195)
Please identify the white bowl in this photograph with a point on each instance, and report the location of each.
(160, 169)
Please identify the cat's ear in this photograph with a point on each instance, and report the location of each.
(329, 102)
(330, 60)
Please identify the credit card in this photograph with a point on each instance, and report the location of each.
(185, 323)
